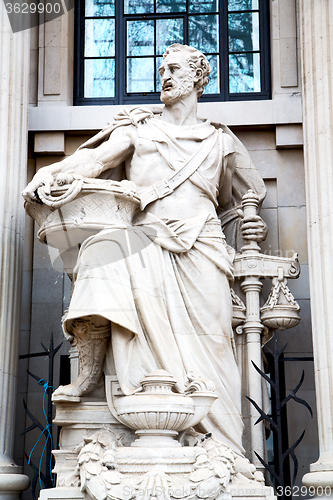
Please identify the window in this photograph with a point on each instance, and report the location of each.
(120, 44)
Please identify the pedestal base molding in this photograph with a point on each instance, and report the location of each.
(62, 494)
(264, 493)
(11, 485)
(320, 479)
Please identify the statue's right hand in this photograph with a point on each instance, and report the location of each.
(42, 178)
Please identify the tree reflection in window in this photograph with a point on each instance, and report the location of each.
(244, 46)
(99, 48)
(148, 39)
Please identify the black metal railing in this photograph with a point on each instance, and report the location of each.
(42, 473)
(279, 468)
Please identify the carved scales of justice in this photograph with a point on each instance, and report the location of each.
(157, 414)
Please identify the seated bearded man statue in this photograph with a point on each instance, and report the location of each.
(168, 306)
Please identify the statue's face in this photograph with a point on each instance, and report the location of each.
(177, 77)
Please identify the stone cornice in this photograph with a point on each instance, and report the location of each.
(286, 109)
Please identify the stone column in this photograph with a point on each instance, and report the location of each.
(14, 77)
(316, 25)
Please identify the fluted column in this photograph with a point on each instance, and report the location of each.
(14, 77)
(316, 24)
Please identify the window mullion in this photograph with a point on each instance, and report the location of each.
(185, 22)
(155, 55)
(224, 50)
(120, 52)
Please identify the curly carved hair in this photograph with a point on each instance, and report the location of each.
(196, 60)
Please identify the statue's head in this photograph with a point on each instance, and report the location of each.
(183, 69)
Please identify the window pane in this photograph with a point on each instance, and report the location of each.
(158, 76)
(140, 75)
(203, 6)
(243, 32)
(99, 37)
(214, 78)
(140, 38)
(170, 6)
(204, 33)
(243, 4)
(99, 78)
(244, 73)
(168, 31)
(138, 6)
(99, 8)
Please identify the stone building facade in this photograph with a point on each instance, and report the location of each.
(289, 139)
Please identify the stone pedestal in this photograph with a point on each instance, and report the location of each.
(316, 21)
(77, 422)
(14, 77)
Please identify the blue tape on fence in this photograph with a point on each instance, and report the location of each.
(48, 434)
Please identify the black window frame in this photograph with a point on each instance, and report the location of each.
(121, 98)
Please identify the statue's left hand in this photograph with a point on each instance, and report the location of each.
(254, 228)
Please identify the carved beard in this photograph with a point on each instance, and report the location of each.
(178, 90)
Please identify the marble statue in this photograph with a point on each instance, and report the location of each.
(166, 306)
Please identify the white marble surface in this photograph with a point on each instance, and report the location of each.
(136, 131)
